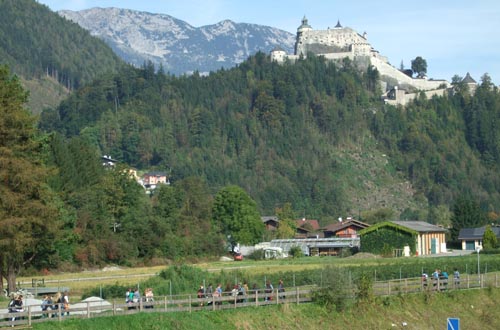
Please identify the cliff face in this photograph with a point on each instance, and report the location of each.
(179, 47)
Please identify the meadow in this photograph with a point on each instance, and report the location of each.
(185, 278)
(476, 309)
(424, 310)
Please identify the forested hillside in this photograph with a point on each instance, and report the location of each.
(310, 139)
(313, 134)
(37, 43)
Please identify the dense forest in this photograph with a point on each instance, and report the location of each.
(276, 130)
(34, 41)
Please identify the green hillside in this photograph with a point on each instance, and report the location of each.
(314, 134)
(36, 42)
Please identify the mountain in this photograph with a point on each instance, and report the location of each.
(49, 52)
(179, 47)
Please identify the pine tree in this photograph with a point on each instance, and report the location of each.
(26, 212)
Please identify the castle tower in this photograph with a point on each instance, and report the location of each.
(303, 28)
(278, 54)
(469, 81)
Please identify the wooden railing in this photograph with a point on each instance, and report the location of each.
(417, 284)
(177, 303)
(191, 303)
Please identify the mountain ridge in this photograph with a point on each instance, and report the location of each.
(177, 46)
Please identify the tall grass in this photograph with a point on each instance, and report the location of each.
(477, 310)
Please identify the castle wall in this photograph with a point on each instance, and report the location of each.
(327, 41)
(401, 79)
(403, 99)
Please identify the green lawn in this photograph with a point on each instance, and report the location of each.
(477, 310)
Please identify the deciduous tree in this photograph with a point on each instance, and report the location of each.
(286, 227)
(419, 65)
(235, 216)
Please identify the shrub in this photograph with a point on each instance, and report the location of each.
(336, 292)
(296, 252)
(106, 292)
(364, 288)
(257, 255)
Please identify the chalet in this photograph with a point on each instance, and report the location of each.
(152, 179)
(472, 238)
(307, 228)
(270, 222)
(404, 238)
(348, 228)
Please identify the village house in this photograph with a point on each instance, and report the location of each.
(472, 238)
(270, 222)
(152, 179)
(347, 228)
(308, 228)
(404, 238)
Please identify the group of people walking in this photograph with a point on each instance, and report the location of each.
(240, 292)
(55, 304)
(134, 296)
(440, 279)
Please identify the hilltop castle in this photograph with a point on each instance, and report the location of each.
(343, 42)
(336, 43)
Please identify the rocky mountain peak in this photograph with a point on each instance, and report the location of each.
(179, 47)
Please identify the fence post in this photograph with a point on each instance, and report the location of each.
(114, 307)
(29, 316)
(297, 295)
(256, 298)
(88, 310)
(190, 304)
(277, 296)
(165, 303)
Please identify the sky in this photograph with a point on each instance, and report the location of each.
(453, 36)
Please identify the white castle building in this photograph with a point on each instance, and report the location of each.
(343, 42)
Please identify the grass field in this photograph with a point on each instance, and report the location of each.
(476, 309)
(80, 281)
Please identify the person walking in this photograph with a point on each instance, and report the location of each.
(281, 289)
(16, 305)
(65, 301)
(269, 291)
(456, 278)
